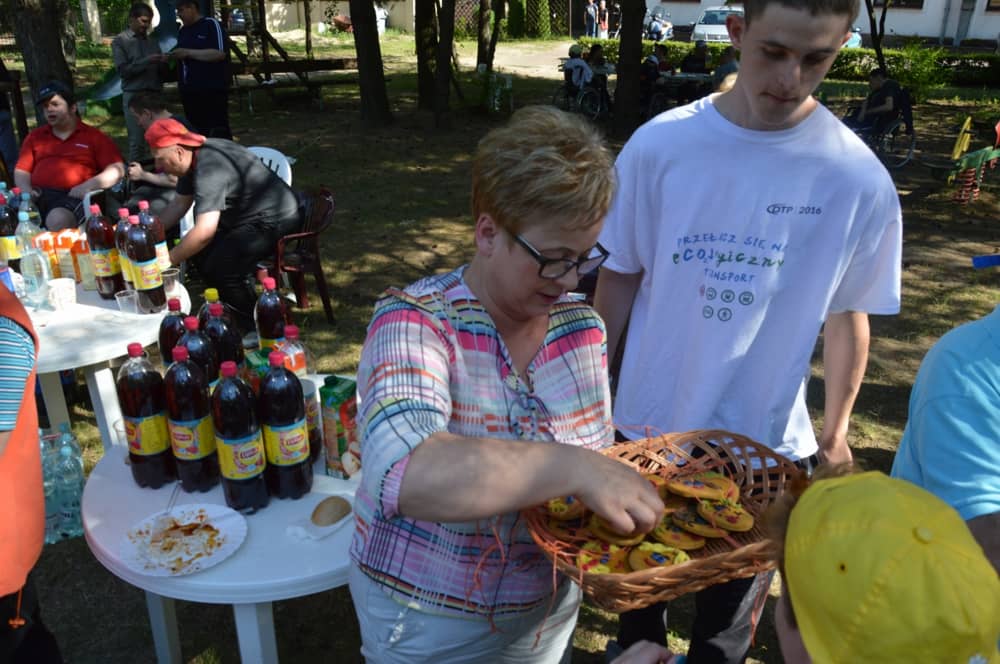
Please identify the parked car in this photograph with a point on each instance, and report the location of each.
(711, 25)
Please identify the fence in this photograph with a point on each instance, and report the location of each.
(525, 18)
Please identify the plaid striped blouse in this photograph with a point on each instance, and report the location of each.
(433, 361)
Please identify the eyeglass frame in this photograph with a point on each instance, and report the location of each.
(544, 261)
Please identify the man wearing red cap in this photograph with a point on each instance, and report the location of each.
(241, 208)
(65, 159)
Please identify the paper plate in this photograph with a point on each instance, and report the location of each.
(202, 536)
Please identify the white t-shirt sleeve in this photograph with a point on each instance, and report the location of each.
(620, 227)
(871, 282)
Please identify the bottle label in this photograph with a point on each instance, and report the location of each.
(147, 275)
(287, 445)
(105, 262)
(268, 345)
(295, 361)
(147, 435)
(241, 458)
(192, 439)
(126, 266)
(332, 435)
(8, 245)
(312, 413)
(162, 255)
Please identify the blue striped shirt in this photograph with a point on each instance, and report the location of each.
(17, 358)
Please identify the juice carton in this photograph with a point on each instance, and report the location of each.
(46, 242)
(334, 393)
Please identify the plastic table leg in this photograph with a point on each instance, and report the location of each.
(55, 400)
(163, 622)
(255, 630)
(101, 386)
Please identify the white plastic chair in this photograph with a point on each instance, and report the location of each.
(275, 161)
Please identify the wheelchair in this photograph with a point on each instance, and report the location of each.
(584, 99)
(892, 139)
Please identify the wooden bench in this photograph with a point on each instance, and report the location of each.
(313, 75)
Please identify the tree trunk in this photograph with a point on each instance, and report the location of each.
(499, 13)
(36, 30)
(307, 9)
(484, 32)
(371, 77)
(627, 116)
(426, 41)
(67, 31)
(877, 28)
(442, 72)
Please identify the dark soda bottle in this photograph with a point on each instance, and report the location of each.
(146, 277)
(239, 443)
(171, 329)
(211, 297)
(104, 254)
(121, 243)
(144, 409)
(201, 350)
(9, 250)
(189, 420)
(282, 413)
(227, 340)
(269, 316)
(155, 226)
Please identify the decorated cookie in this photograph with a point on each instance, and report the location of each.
(602, 530)
(659, 482)
(669, 534)
(651, 554)
(725, 514)
(689, 520)
(569, 529)
(602, 558)
(568, 507)
(708, 485)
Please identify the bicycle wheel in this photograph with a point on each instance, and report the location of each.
(895, 148)
(589, 103)
(560, 99)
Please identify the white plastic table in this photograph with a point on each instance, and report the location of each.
(87, 336)
(251, 579)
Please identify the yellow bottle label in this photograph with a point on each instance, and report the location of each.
(241, 458)
(147, 435)
(126, 266)
(287, 445)
(147, 274)
(192, 439)
(8, 245)
(105, 262)
(312, 413)
(162, 256)
(267, 345)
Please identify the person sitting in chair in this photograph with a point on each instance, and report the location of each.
(150, 185)
(879, 108)
(64, 160)
(576, 72)
(241, 209)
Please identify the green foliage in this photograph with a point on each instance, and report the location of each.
(920, 65)
(918, 69)
(675, 50)
(114, 15)
(515, 23)
(537, 23)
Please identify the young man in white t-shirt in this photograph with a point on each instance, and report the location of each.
(745, 223)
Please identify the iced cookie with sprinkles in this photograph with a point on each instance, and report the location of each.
(726, 514)
(669, 534)
(652, 554)
(707, 485)
(569, 529)
(567, 507)
(689, 519)
(602, 558)
(603, 531)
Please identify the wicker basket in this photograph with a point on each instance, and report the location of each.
(761, 475)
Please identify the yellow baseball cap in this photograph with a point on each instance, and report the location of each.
(880, 570)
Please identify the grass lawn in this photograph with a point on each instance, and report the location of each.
(403, 212)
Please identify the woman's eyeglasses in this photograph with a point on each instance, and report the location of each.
(555, 268)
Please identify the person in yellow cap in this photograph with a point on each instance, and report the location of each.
(876, 569)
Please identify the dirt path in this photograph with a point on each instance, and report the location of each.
(536, 59)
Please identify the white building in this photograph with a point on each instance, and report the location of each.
(954, 20)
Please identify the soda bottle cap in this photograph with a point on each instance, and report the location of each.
(211, 294)
(215, 309)
(190, 323)
(16, 191)
(135, 349)
(123, 213)
(291, 331)
(143, 205)
(3, 200)
(133, 219)
(228, 369)
(180, 353)
(174, 304)
(25, 196)
(95, 209)
(268, 283)
(22, 216)
(276, 358)
(330, 381)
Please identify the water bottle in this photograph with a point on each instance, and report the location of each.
(68, 490)
(28, 206)
(50, 458)
(66, 438)
(35, 265)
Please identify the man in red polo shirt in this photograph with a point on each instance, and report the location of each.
(65, 159)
